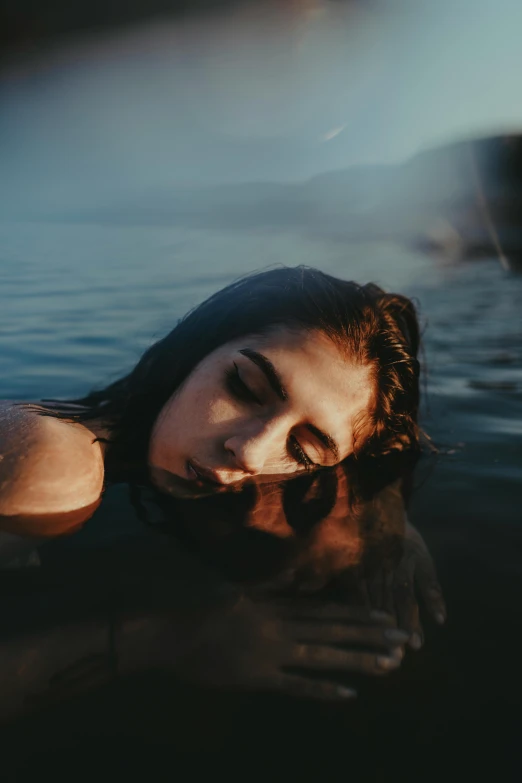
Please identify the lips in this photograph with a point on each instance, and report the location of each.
(201, 475)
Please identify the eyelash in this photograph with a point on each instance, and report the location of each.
(299, 455)
(238, 388)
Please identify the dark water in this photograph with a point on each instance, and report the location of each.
(79, 304)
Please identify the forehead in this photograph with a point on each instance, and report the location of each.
(326, 387)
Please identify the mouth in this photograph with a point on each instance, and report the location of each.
(203, 477)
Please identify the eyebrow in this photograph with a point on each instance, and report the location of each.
(270, 372)
(274, 379)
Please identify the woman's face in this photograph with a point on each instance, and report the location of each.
(280, 403)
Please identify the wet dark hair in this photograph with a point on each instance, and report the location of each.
(372, 327)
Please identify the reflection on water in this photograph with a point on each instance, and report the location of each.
(254, 589)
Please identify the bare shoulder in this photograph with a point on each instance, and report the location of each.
(46, 465)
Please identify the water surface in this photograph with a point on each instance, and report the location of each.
(80, 302)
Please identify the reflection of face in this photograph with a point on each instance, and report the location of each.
(280, 403)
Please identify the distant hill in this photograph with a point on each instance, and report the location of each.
(444, 199)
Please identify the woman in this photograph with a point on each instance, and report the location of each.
(283, 372)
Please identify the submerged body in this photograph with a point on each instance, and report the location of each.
(145, 602)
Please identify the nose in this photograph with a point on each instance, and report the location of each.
(252, 447)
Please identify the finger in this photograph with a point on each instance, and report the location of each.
(320, 657)
(408, 618)
(333, 612)
(321, 690)
(407, 612)
(431, 591)
(417, 637)
(426, 578)
(337, 633)
(404, 599)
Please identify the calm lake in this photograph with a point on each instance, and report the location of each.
(79, 302)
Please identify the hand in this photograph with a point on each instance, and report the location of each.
(414, 575)
(375, 556)
(398, 582)
(253, 646)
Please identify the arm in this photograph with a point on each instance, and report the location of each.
(64, 627)
(43, 667)
(153, 607)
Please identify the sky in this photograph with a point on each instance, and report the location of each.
(266, 92)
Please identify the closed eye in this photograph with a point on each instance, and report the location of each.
(238, 388)
(299, 455)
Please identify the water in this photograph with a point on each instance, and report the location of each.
(80, 302)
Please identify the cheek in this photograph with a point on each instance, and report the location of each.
(219, 411)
